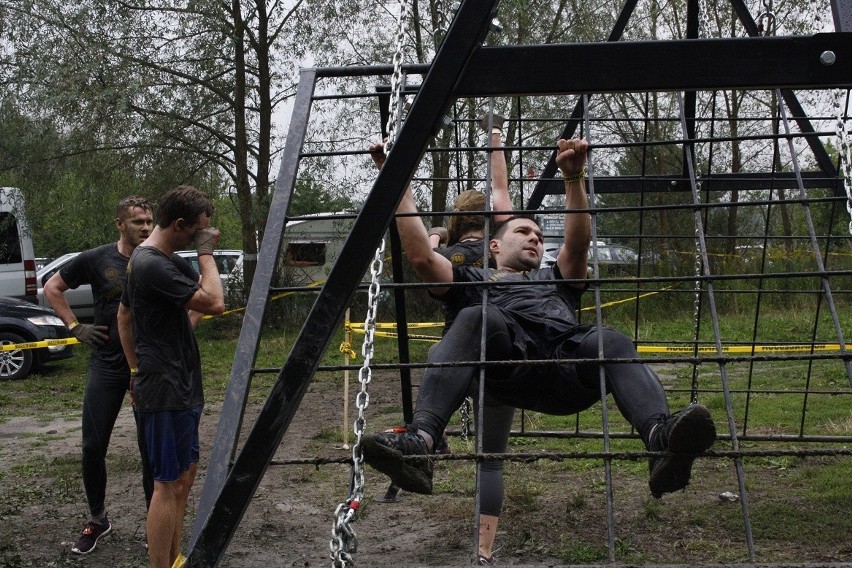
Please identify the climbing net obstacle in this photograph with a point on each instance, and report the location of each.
(721, 238)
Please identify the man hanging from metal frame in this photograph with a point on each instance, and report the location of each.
(537, 321)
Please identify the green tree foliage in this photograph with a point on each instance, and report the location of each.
(106, 97)
(178, 90)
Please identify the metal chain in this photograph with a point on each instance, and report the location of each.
(768, 16)
(396, 78)
(465, 418)
(443, 22)
(344, 542)
(705, 21)
(842, 133)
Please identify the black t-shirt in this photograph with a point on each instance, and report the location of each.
(464, 253)
(106, 270)
(158, 287)
(540, 316)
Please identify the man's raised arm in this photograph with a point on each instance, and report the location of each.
(500, 199)
(573, 259)
(429, 265)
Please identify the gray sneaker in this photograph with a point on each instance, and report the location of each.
(89, 537)
(385, 451)
(682, 437)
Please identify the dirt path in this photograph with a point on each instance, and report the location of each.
(553, 510)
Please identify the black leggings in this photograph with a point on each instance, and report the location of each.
(550, 388)
(102, 401)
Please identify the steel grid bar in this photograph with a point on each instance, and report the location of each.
(703, 269)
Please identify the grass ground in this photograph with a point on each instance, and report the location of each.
(784, 414)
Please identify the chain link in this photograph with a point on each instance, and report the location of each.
(704, 20)
(696, 308)
(466, 421)
(842, 133)
(344, 542)
(396, 79)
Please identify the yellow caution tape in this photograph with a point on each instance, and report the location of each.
(39, 344)
(346, 349)
(393, 325)
(682, 349)
(271, 298)
(740, 348)
(629, 299)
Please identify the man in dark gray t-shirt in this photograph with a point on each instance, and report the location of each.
(531, 314)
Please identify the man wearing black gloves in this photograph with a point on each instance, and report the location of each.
(105, 268)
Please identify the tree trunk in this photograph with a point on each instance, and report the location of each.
(241, 144)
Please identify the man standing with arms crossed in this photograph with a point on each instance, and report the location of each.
(108, 378)
(162, 300)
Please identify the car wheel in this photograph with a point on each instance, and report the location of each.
(14, 364)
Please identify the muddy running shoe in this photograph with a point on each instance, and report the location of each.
(90, 535)
(681, 436)
(385, 451)
(482, 561)
(496, 122)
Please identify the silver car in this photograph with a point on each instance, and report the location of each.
(82, 302)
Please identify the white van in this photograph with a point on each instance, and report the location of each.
(17, 259)
(311, 245)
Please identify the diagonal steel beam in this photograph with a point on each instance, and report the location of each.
(573, 123)
(231, 416)
(466, 33)
(792, 101)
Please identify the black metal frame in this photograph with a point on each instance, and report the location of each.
(462, 67)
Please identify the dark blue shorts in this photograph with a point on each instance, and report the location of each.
(172, 440)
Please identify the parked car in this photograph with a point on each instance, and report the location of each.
(24, 322)
(229, 262)
(80, 299)
(618, 257)
(82, 302)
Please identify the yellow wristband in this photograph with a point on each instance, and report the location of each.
(73, 324)
(134, 370)
(575, 177)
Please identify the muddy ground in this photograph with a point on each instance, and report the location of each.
(555, 511)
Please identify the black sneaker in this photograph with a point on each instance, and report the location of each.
(681, 436)
(90, 535)
(384, 451)
(482, 561)
(496, 122)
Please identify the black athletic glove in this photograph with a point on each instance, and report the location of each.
(92, 335)
(206, 240)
